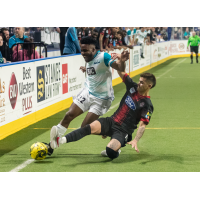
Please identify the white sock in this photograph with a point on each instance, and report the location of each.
(62, 140)
(61, 129)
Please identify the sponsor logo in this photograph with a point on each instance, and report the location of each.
(181, 46)
(136, 60)
(160, 49)
(130, 103)
(148, 115)
(132, 90)
(141, 104)
(155, 54)
(26, 88)
(97, 62)
(13, 91)
(91, 71)
(40, 84)
(2, 101)
(65, 78)
(48, 81)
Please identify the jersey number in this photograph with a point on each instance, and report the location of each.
(81, 99)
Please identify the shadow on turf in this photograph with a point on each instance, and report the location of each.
(123, 158)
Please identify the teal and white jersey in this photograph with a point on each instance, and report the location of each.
(141, 35)
(99, 76)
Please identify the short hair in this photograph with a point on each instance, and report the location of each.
(95, 30)
(120, 33)
(88, 40)
(149, 77)
(4, 29)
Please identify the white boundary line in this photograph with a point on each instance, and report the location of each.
(24, 164)
(171, 68)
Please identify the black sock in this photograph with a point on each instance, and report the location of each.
(196, 57)
(191, 56)
(78, 134)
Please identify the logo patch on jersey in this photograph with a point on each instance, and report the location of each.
(132, 90)
(130, 103)
(142, 104)
(91, 71)
(97, 62)
(148, 115)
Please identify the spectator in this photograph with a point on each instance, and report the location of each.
(159, 38)
(71, 42)
(186, 34)
(81, 32)
(6, 35)
(169, 31)
(4, 49)
(141, 36)
(158, 30)
(151, 35)
(28, 52)
(177, 34)
(88, 31)
(2, 60)
(62, 31)
(164, 33)
(94, 34)
(17, 38)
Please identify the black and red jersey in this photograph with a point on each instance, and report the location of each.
(133, 108)
(80, 33)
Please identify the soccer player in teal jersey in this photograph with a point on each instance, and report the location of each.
(97, 95)
(194, 46)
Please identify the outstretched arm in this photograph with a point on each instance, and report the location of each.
(120, 64)
(139, 134)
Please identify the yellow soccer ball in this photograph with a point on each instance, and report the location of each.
(38, 151)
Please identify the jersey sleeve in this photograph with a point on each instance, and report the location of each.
(129, 82)
(146, 114)
(108, 60)
(188, 42)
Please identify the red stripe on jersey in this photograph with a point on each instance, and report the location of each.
(102, 33)
(124, 78)
(146, 121)
(121, 114)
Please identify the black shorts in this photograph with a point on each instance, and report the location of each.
(111, 129)
(194, 49)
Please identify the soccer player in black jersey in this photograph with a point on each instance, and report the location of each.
(135, 108)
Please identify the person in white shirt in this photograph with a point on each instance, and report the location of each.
(141, 36)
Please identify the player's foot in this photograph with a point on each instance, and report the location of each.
(197, 61)
(104, 154)
(54, 137)
(50, 150)
(142, 56)
(191, 62)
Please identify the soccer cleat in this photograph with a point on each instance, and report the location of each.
(197, 61)
(50, 150)
(104, 154)
(54, 137)
(191, 62)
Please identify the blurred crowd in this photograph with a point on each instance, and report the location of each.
(107, 38)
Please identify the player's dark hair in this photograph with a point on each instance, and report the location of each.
(88, 40)
(95, 30)
(120, 33)
(149, 77)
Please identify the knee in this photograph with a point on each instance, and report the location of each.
(111, 153)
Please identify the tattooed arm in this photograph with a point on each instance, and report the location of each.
(139, 134)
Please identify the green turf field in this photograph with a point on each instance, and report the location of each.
(169, 144)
